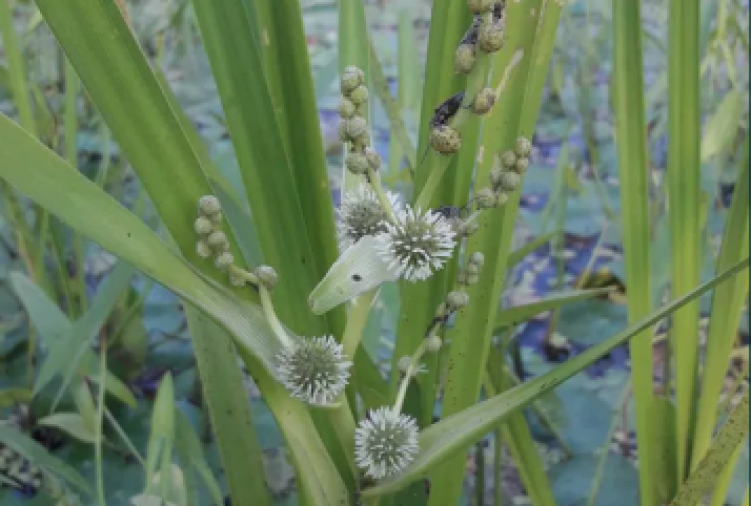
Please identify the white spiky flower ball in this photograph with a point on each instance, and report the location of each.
(417, 244)
(385, 442)
(361, 214)
(314, 370)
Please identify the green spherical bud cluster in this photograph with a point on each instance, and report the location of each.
(212, 242)
(355, 128)
(434, 344)
(466, 228)
(209, 204)
(473, 268)
(203, 249)
(347, 108)
(464, 58)
(509, 181)
(445, 139)
(373, 158)
(508, 159)
(356, 163)
(486, 198)
(495, 176)
(477, 258)
(403, 364)
(352, 77)
(492, 35)
(267, 276)
(218, 241)
(502, 198)
(224, 260)
(484, 101)
(479, 6)
(523, 147)
(521, 165)
(359, 95)
(457, 300)
(203, 225)
(236, 280)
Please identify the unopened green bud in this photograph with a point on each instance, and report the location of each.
(502, 198)
(479, 6)
(486, 198)
(203, 249)
(352, 77)
(342, 130)
(491, 36)
(203, 225)
(267, 275)
(356, 163)
(510, 181)
(224, 260)
(359, 95)
(434, 344)
(521, 165)
(373, 158)
(467, 228)
(523, 147)
(216, 218)
(477, 258)
(236, 280)
(508, 159)
(464, 58)
(484, 101)
(473, 268)
(346, 108)
(472, 279)
(495, 176)
(445, 139)
(457, 300)
(218, 240)
(356, 127)
(209, 204)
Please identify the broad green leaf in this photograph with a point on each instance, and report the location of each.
(461, 430)
(39, 456)
(72, 423)
(519, 314)
(190, 453)
(161, 440)
(702, 480)
(721, 128)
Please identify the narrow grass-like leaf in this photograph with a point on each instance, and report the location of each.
(16, 71)
(72, 423)
(459, 431)
(727, 306)
(684, 186)
(189, 452)
(722, 125)
(519, 314)
(520, 254)
(703, 478)
(630, 128)
(38, 455)
(48, 180)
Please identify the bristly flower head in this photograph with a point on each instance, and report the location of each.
(385, 442)
(361, 214)
(418, 244)
(314, 370)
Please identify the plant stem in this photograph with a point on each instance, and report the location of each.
(99, 420)
(273, 320)
(374, 178)
(356, 320)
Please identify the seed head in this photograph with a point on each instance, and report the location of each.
(224, 260)
(209, 204)
(361, 214)
(491, 36)
(203, 249)
(417, 244)
(445, 139)
(359, 95)
(314, 370)
(346, 108)
(484, 101)
(203, 225)
(508, 159)
(464, 58)
(486, 198)
(355, 127)
(385, 442)
(510, 181)
(356, 162)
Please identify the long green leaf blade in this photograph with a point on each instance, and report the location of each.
(461, 430)
(519, 314)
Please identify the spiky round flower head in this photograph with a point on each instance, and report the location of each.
(267, 275)
(224, 260)
(484, 101)
(510, 181)
(361, 214)
(374, 159)
(203, 249)
(521, 165)
(385, 442)
(508, 159)
(203, 225)
(445, 139)
(479, 6)
(355, 127)
(416, 244)
(346, 108)
(486, 198)
(464, 58)
(434, 344)
(209, 204)
(356, 162)
(523, 147)
(491, 36)
(218, 240)
(314, 370)
(359, 95)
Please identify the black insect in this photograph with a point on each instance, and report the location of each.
(446, 111)
(452, 212)
(470, 36)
